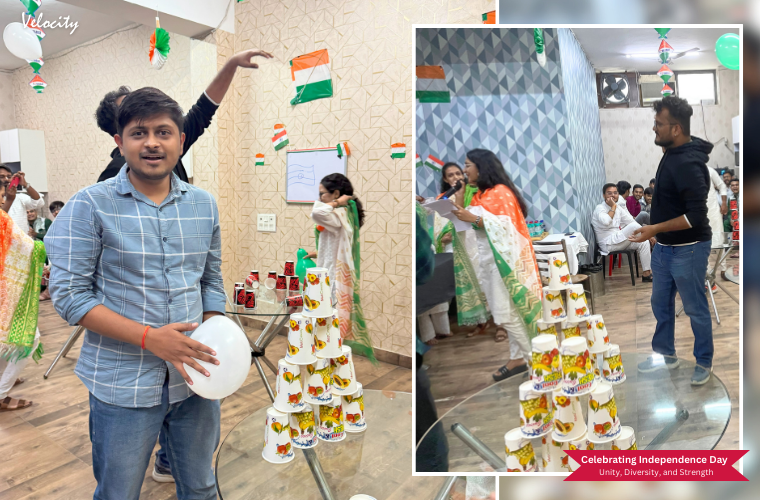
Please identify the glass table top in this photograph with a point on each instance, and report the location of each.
(664, 409)
(376, 462)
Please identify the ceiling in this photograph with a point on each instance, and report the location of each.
(91, 25)
(607, 48)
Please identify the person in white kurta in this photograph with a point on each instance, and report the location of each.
(331, 217)
(613, 225)
(22, 201)
(717, 206)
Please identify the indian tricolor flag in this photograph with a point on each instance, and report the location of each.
(311, 76)
(418, 162)
(259, 159)
(343, 149)
(431, 84)
(434, 163)
(489, 17)
(398, 150)
(38, 84)
(280, 139)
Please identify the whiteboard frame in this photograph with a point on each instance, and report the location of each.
(302, 202)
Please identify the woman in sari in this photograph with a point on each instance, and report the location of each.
(501, 249)
(338, 215)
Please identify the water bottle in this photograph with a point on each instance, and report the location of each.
(532, 229)
(543, 226)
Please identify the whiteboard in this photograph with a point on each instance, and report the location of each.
(306, 167)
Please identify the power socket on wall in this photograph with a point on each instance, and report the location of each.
(267, 223)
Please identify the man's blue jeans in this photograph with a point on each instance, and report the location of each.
(682, 270)
(123, 440)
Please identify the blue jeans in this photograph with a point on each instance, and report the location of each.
(123, 440)
(682, 270)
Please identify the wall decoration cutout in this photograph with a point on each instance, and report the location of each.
(431, 84)
(311, 76)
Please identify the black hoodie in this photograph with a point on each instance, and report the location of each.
(681, 187)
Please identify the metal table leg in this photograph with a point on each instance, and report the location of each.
(479, 447)
(443, 494)
(263, 378)
(269, 364)
(318, 473)
(65, 349)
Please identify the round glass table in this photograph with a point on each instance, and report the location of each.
(376, 462)
(664, 409)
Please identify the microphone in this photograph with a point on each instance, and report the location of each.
(451, 191)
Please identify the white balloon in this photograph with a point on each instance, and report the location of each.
(22, 42)
(233, 352)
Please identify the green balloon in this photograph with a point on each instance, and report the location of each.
(302, 264)
(727, 50)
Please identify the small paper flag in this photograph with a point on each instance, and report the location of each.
(431, 84)
(666, 90)
(665, 73)
(418, 162)
(36, 64)
(434, 163)
(31, 23)
(311, 76)
(398, 150)
(259, 160)
(38, 84)
(31, 6)
(663, 32)
(343, 149)
(489, 17)
(159, 47)
(280, 139)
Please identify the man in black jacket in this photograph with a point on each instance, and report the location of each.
(679, 221)
(196, 121)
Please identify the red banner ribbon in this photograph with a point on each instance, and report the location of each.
(660, 465)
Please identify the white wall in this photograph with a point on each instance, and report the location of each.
(629, 150)
(7, 111)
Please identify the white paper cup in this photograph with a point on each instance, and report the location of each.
(556, 456)
(317, 383)
(577, 307)
(353, 411)
(300, 341)
(612, 369)
(554, 305)
(520, 454)
(546, 372)
(573, 329)
(603, 422)
(626, 440)
(568, 417)
(330, 425)
(362, 496)
(303, 429)
(317, 294)
(559, 273)
(577, 372)
(549, 328)
(596, 334)
(343, 375)
(289, 395)
(277, 446)
(581, 443)
(327, 336)
(536, 411)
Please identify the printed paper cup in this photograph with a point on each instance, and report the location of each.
(327, 338)
(603, 421)
(582, 443)
(626, 440)
(546, 373)
(330, 421)
(353, 411)
(596, 333)
(277, 446)
(536, 411)
(317, 388)
(556, 457)
(612, 369)
(549, 328)
(300, 341)
(317, 293)
(572, 329)
(577, 371)
(568, 417)
(303, 429)
(559, 273)
(289, 396)
(577, 307)
(343, 375)
(520, 455)
(554, 305)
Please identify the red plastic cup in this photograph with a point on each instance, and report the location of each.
(290, 268)
(250, 299)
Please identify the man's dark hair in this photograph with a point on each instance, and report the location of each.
(735, 179)
(607, 186)
(651, 181)
(638, 186)
(623, 186)
(727, 171)
(679, 110)
(107, 110)
(5, 167)
(56, 205)
(145, 103)
(649, 191)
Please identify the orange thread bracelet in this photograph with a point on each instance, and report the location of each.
(144, 334)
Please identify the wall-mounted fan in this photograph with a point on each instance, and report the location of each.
(615, 89)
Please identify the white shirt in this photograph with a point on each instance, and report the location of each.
(720, 189)
(329, 239)
(607, 229)
(21, 204)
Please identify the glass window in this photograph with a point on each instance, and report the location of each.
(696, 87)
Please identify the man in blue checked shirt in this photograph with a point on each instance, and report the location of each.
(136, 260)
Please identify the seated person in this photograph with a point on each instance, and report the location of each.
(624, 190)
(651, 185)
(633, 205)
(613, 225)
(38, 226)
(648, 193)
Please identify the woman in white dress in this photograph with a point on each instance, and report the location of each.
(338, 215)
